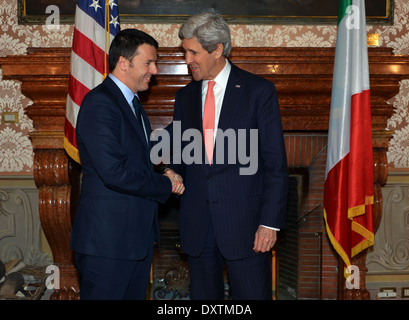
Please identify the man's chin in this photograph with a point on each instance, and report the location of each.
(196, 77)
(144, 88)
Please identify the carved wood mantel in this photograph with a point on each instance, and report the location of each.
(303, 77)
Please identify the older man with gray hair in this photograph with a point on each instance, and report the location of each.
(227, 218)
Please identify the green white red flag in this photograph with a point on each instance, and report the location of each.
(349, 190)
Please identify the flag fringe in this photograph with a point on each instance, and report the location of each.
(364, 244)
(356, 211)
(367, 242)
(338, 248)
(360, 210)
(71, 150)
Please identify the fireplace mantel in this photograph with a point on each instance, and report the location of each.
(303, 78)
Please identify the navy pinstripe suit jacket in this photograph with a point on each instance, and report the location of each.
(234, 203)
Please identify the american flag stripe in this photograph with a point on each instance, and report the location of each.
(90, 28)
(72, 113)
(83, 71)
(79, 93)
(90, 52)
(89, 56)
(70, 134)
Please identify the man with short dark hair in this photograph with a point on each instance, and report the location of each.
(116, 221)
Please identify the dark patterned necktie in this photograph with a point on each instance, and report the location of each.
(138, 113)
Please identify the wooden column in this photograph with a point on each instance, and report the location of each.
(55, 176)
(303, 78)
(43, 74)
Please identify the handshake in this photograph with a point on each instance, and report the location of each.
(177, 182)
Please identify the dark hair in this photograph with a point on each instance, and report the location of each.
(126, 44)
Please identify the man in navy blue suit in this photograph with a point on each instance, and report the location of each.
(234, 203)
(116, 222)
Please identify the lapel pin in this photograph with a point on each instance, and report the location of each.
(238, 86)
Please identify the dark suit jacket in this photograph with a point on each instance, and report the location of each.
(117, 211)
(236, 204)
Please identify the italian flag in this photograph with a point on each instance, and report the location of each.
(348, 195)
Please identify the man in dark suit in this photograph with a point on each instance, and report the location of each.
(116, 221)
(234, 204)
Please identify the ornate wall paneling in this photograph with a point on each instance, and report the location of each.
(388, 260)
(20, 226)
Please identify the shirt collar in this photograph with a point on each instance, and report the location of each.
(222, 78)
(128, 94)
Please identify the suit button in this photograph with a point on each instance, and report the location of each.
(209, 177)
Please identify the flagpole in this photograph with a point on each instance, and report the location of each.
(341, 279)
(106, 36)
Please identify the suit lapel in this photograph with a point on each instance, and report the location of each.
(197, 106)
(197, 116)
(126, 108)
(147, 127)
(232, 98)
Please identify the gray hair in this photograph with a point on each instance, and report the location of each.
(210, 29)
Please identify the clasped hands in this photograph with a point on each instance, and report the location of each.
(177, 181)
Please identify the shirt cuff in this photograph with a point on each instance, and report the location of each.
(272, 228)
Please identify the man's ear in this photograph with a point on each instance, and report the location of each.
(219, 50)
(123, 63)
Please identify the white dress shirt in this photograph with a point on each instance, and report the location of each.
(219, 90)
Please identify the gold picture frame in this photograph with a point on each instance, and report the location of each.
(303, 12)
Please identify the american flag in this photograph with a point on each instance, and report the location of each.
(96, 24)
